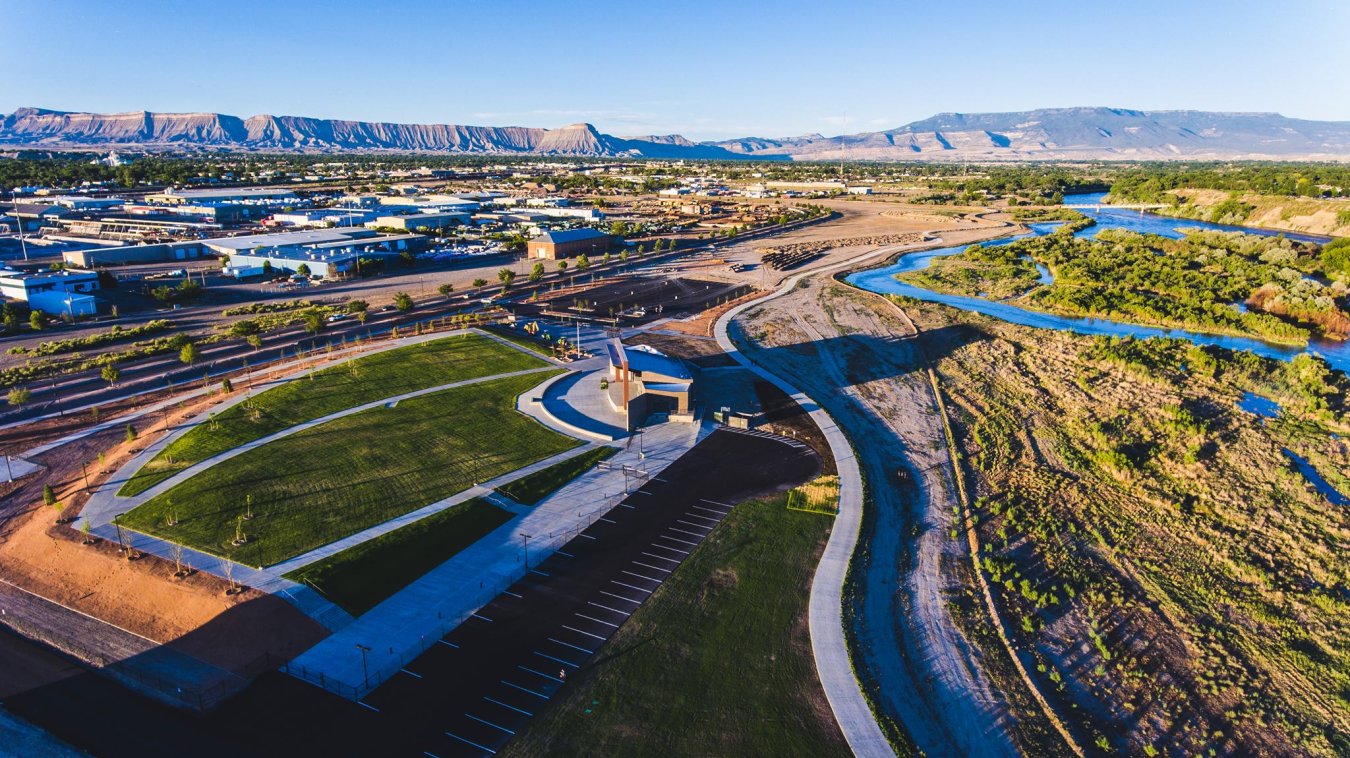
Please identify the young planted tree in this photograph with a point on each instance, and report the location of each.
(562, 266)
(313, 320)
(19, 396)
(37, 320)
(445, 290)
(255, 341)
(131, 433)
(403, 301)
(479, 282)
(583, 262)
(111, 375)
(189, 354)
(176, 552)
(537, 272)
(88, 539)
(226, 386)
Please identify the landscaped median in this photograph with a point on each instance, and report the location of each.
(321, 484)
(361, 577)
(361, 380)
(532, 488)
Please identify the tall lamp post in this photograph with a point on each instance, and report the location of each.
(364, 674)
(527, 549)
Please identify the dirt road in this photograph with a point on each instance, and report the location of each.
(850, 351)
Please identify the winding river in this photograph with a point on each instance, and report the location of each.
(882, 280)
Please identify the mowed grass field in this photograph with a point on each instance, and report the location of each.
(531, 488)
(717, 662)
(361, 577)
(362, 380)
(335, 479)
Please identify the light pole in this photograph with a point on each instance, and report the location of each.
(364, 674)
(527, 549)
(117, 524)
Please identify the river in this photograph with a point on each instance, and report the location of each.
(882, 280)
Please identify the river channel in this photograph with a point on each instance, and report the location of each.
(882, 280)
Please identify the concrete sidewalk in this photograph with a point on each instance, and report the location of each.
(833, 664)
(397, 630)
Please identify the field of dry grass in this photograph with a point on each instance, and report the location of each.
(1170, 576)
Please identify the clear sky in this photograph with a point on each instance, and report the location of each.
(704, 69)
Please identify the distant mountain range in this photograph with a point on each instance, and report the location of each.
(1046, 134)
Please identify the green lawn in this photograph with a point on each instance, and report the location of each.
(717, 662)
(518, 337)
(361, 577)
(335, 479)
(532, 488)
(364, 380)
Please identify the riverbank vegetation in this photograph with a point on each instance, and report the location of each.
(1176, 585)
(1218, 282)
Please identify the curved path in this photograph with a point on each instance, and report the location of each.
(833, 664)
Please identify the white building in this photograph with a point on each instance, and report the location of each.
(52, 292)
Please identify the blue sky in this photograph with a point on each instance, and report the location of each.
(703, 69)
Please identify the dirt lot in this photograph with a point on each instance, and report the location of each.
(659, 296)
(140, 596)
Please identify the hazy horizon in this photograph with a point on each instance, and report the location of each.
(711, 72)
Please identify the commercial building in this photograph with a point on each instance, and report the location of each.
(644, 381)
(52, 292)
(569, 244)
(415, 221)
(323, 252)
(129, 254)
(212, 196)
(34, 216)
(322, 217)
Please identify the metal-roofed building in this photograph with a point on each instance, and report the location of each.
(569, 244)
(644, 381)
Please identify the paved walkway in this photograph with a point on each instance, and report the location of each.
(104, 505)
(574, 403)
(397, 630)
(833, 664)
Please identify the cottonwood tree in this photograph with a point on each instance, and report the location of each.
(189, 354)
(19, 396)
(111, 375)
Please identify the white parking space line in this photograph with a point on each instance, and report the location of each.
(371, 707)
(485, 618)
(490, 751)
(671, 549)
(606, 607)
(409, 673)
(686, 531)
(504, 705)
(621, 597)
(536, 571)
(489, 723)
(588, 634)
(559, 660)
(626, 505)
(709, 510)
(683, 542)
(705, 518)
(539, 673)
(587, 536)
(574, 647)
(690, 523)
(629, 586)
(610, 521)
(650, 566)
(596, 620)
(512, 594)
(523, 689)
(659, 557)
(714, 502)
(451, 644)
(640, 576)
(569, 555)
